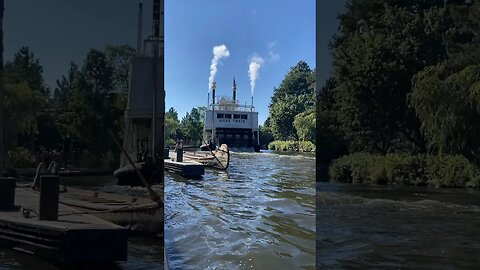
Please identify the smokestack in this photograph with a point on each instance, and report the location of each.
(214, 86)
(140, 34)
(156, 18)
(234, 90)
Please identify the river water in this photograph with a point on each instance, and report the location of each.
(259, 214)
(144, 252)
(365, 227)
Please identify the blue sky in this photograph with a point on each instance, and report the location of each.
(246, 27)
(60, 31)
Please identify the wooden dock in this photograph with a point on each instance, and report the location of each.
(190, 169)
(73, 237)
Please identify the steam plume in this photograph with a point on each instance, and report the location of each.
(255, 63)
(219, 52)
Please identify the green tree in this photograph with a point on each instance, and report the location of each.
(380, 47)
(120, 57)
(265, 134)
(304, 124)
(26, 67)
(446, 98)
(25, 98)
(91, 102)
(173, 124)
(294, 95)
(330, 140)
(192, 127)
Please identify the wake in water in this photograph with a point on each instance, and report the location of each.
(365, 227)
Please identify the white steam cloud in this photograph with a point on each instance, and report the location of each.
(273, 55)
(255, 63)
(219, 52)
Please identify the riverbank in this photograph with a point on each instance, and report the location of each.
(405, 169)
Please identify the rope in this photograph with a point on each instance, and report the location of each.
(208, 146)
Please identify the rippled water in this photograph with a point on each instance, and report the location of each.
(364, 227)
(260, 214)
(144, 252)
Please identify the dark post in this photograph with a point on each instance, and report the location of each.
(180, 154)
(7, 193)
(49, 192)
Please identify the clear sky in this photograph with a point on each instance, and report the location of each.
(60, 31)
(246, 27)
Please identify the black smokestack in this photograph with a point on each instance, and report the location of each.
(156, 18)
(140, 35)
(234, 90)
(214, 85)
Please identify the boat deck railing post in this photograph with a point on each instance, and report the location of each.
(49, 196)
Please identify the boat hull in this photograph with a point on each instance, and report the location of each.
(128, 176)
(218, 159)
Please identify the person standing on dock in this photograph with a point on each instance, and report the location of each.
(47, 165)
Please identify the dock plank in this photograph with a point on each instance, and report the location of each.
(74, 237)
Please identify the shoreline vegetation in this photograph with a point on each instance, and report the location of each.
(402, 103)
(294, 146)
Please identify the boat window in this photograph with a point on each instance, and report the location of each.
(219, 115)
(227, 115)
(244, 116)
(236, 116)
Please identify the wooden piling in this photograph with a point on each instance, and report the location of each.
(7, 193)
(49, 195)
(179, 154)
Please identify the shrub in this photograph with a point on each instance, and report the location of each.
(452, 171)
(404, 169)
(354, 168)
(306, 146)
(283, 146)
(20, 157)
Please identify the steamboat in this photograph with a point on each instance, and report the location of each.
(231, 123)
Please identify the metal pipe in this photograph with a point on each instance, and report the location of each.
(156, 33)
(2, 147)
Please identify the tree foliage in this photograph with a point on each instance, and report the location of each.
(294, 95)
(446, 98)
(380, 47)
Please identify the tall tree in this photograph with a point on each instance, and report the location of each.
(192, 126)
(294, 95)
(120, 58)
(380, 47)
(172, 123)
(26, 67)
